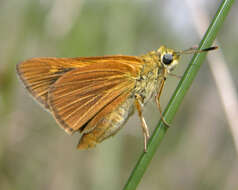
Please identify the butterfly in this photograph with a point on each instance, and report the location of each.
(96, 95)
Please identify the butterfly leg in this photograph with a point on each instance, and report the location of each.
(145, 130)
(157, 99)
(174, 75)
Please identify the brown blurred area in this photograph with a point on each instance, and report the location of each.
(35, 153)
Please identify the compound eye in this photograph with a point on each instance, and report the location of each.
(167, 58)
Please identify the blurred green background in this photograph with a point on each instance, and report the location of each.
(198, 151)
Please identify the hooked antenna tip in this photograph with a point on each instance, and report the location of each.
(210, 48)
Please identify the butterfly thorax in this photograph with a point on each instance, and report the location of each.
(147, 82)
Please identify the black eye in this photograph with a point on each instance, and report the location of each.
(167, 58)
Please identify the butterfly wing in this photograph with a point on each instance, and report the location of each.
(38, 74)
(80, 94)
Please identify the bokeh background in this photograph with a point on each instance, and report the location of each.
(198, 152)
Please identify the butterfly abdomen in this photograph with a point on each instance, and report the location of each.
(107, 126)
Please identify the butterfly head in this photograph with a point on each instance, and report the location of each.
(168, 58)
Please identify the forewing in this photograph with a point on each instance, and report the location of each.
(38, 74)
(80, 94)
